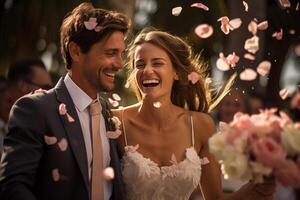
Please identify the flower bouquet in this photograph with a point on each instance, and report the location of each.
(252, 147)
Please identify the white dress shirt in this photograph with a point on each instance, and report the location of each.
(82, 101)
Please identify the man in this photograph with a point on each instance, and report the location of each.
(52, 151)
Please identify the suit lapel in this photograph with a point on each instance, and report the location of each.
(73, 130)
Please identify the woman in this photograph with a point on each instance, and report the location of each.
(165, 135)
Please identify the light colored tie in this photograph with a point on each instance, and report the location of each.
(97, 164)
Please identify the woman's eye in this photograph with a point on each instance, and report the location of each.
(139, 66)
(157, 64)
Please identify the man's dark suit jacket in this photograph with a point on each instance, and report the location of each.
(28, 163)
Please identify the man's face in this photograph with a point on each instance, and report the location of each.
(41, 79)
(100, 65)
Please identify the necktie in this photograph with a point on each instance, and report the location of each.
(97, 163)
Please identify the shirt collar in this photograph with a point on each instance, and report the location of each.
(79, 97)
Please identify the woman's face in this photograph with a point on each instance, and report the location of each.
(154, 71)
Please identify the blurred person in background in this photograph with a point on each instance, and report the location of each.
(3, 110)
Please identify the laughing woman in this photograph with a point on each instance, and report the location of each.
(165, 136)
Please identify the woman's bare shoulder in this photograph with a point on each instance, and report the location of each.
(204, 124)
(128, 109)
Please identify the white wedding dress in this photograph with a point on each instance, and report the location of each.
(145, 180)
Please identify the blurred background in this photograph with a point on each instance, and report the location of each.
(30, 29)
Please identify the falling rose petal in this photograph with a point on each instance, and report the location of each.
(157, 104)
(116, 97)
(70, 118)
(235, 23)
(245, 5)
(113, 102)
(63, 144)
(62, 109)
(127, 84)
(173, 160)
(91, 24)
(55, 175)
(263, 25)
(50, 140)
(297, 6)
(248, 75)
(284, 93)
(285, 3)
(204, 161)
(264, 68)
(222, 63)
(108, 173)
(249, 56)
(193, 77)
(252, 44)
(292, 31)
(176, 11)
(232, 59)
(204, 30)
(113, 134)
(200, 5)
(278, 35)
(297, 50)
(224, 24)
(252, 27)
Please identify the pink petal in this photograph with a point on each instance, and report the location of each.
(113, 102)
(55, 175)
(127, 84)
(264, 68)
(245, 5)
(297, 50)
(204, 30)
(224, 24)
(70, 118)
(285, 3)
(108, 173)
(90, 25)
(284, 93)
(235, 23)
(204, 161)
(232, 59)
(263, 25)
(62, 109)
(116, 97)
(194, 77)
(278, 35)
(222, 64)
(63, 144)
(297, 6)
(173, 160)
(157, 104)
(249, 56)
(200, 5)
(50, 140)
(252, 27)
(252, 44)
(248, 75)
(113, 134)
(176, 11)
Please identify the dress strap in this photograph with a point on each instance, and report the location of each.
(123, 125)
(193, 137)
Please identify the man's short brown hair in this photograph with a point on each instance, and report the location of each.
(74, 29)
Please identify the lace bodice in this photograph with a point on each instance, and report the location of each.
(145, 180)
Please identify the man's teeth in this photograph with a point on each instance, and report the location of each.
(150, 81)
(110, 74)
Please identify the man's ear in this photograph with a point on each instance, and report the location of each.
(75, 51)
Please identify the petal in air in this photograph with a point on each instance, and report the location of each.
(264, 68)
(263, 25)
(116, 97)
(108, 173)
(278, 35)
(252, 44)
(249, 56)
(246, 6)
(284, 93)
(235, 23)
(204, 30)
(248, 75)
(225, 27)
(200, 5)
(222, 63)
(113, 102)
(252, 27)
(176, 11)
(285, 3)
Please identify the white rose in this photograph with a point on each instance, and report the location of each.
(290, 138)
(216, 145)
(236, 167)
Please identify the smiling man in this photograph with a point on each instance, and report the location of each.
(57, 148)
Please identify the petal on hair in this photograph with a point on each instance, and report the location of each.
(245, 5)
(248, 75)
(285, 3)
(249, 56)
(194, 77)
(200, 5)
(235, 23)
(62, 109)
(116, 97)
(50, 140)
(278, 35)
(157, 104)
(90, 25)
(176, 11)
(108, 173)
(113, 134)
(55, 175)
(284, 93)
(263, 25)
(252, 27)
(63, 144)
(264, 68)
(204, 30)
(113, 102)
